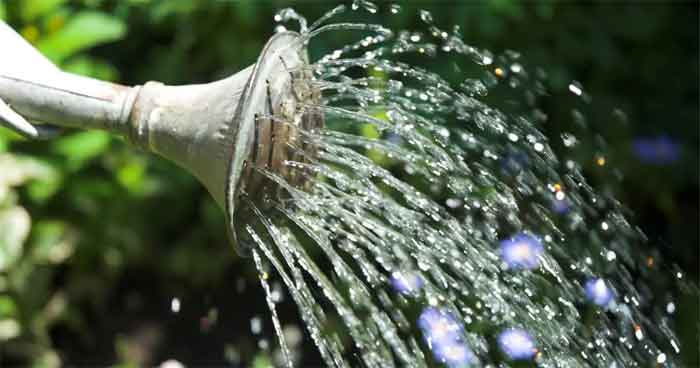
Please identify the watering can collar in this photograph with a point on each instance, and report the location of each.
(222, 132)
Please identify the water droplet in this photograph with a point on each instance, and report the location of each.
(610, 255)
(661, 358)
(575, 89)
(670, 308)
(426, 17)
(171, 363)
(364, 4)
(256, 325)
(406, 283)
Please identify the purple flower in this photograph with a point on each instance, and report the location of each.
(598, 292)
(517, 344)
(443, 332)
(406, 282)
(439, 326)
(521, 251)
(453, 354)
(660, 150)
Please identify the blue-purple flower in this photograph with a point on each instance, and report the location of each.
(521, 251)
(517, 344)
(406, 282)
(444, 335)
(598, 292)
(454, 354)
(660, 150)
(439, 326)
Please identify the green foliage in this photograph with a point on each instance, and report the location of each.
(83, 30)
(79, 148)
(116, 234)
(31, 253)
(31, 10)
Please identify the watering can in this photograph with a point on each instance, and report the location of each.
(221, 132)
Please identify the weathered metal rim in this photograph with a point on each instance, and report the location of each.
(282, 52)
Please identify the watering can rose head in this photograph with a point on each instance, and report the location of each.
(235, 135)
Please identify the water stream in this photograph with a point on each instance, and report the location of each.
(444, 223)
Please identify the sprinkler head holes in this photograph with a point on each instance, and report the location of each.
(232, 134)
(235, 133)
(278, 104)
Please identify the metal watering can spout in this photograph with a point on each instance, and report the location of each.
(218, 131)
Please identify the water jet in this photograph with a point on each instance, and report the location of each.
(424, 224)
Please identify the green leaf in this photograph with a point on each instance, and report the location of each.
(8, 307)
(32, 9)
(45, 183)
(90, 67)
(262, 361)
(82, 147)
(3, 11)
(84, 30)
(14, 229)
(132, 176)
(52, 242)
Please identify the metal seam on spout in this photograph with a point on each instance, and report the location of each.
(68, 100)
(42, 85)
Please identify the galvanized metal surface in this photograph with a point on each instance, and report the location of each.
(217, 131)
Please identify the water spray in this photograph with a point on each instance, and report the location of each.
(439, 229)
(220, 131)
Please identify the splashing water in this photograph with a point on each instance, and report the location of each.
(440, 224)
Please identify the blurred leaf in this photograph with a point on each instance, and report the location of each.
(86, 29)
(47, 359)
(3, 11)
(506, 7)
(32, 9)
(90, 67)
(9, 328)
(82, 147)
(262, 361)
(8, 307)
(164, 9)
(53, 242)
(14, 229)
(56, 21)
(369, 131)
(17, 170)
(132, 176)
(45, 187)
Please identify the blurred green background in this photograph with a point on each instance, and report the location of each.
(112, 256)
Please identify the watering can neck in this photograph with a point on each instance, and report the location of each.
(190, 125)
(227, 133)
